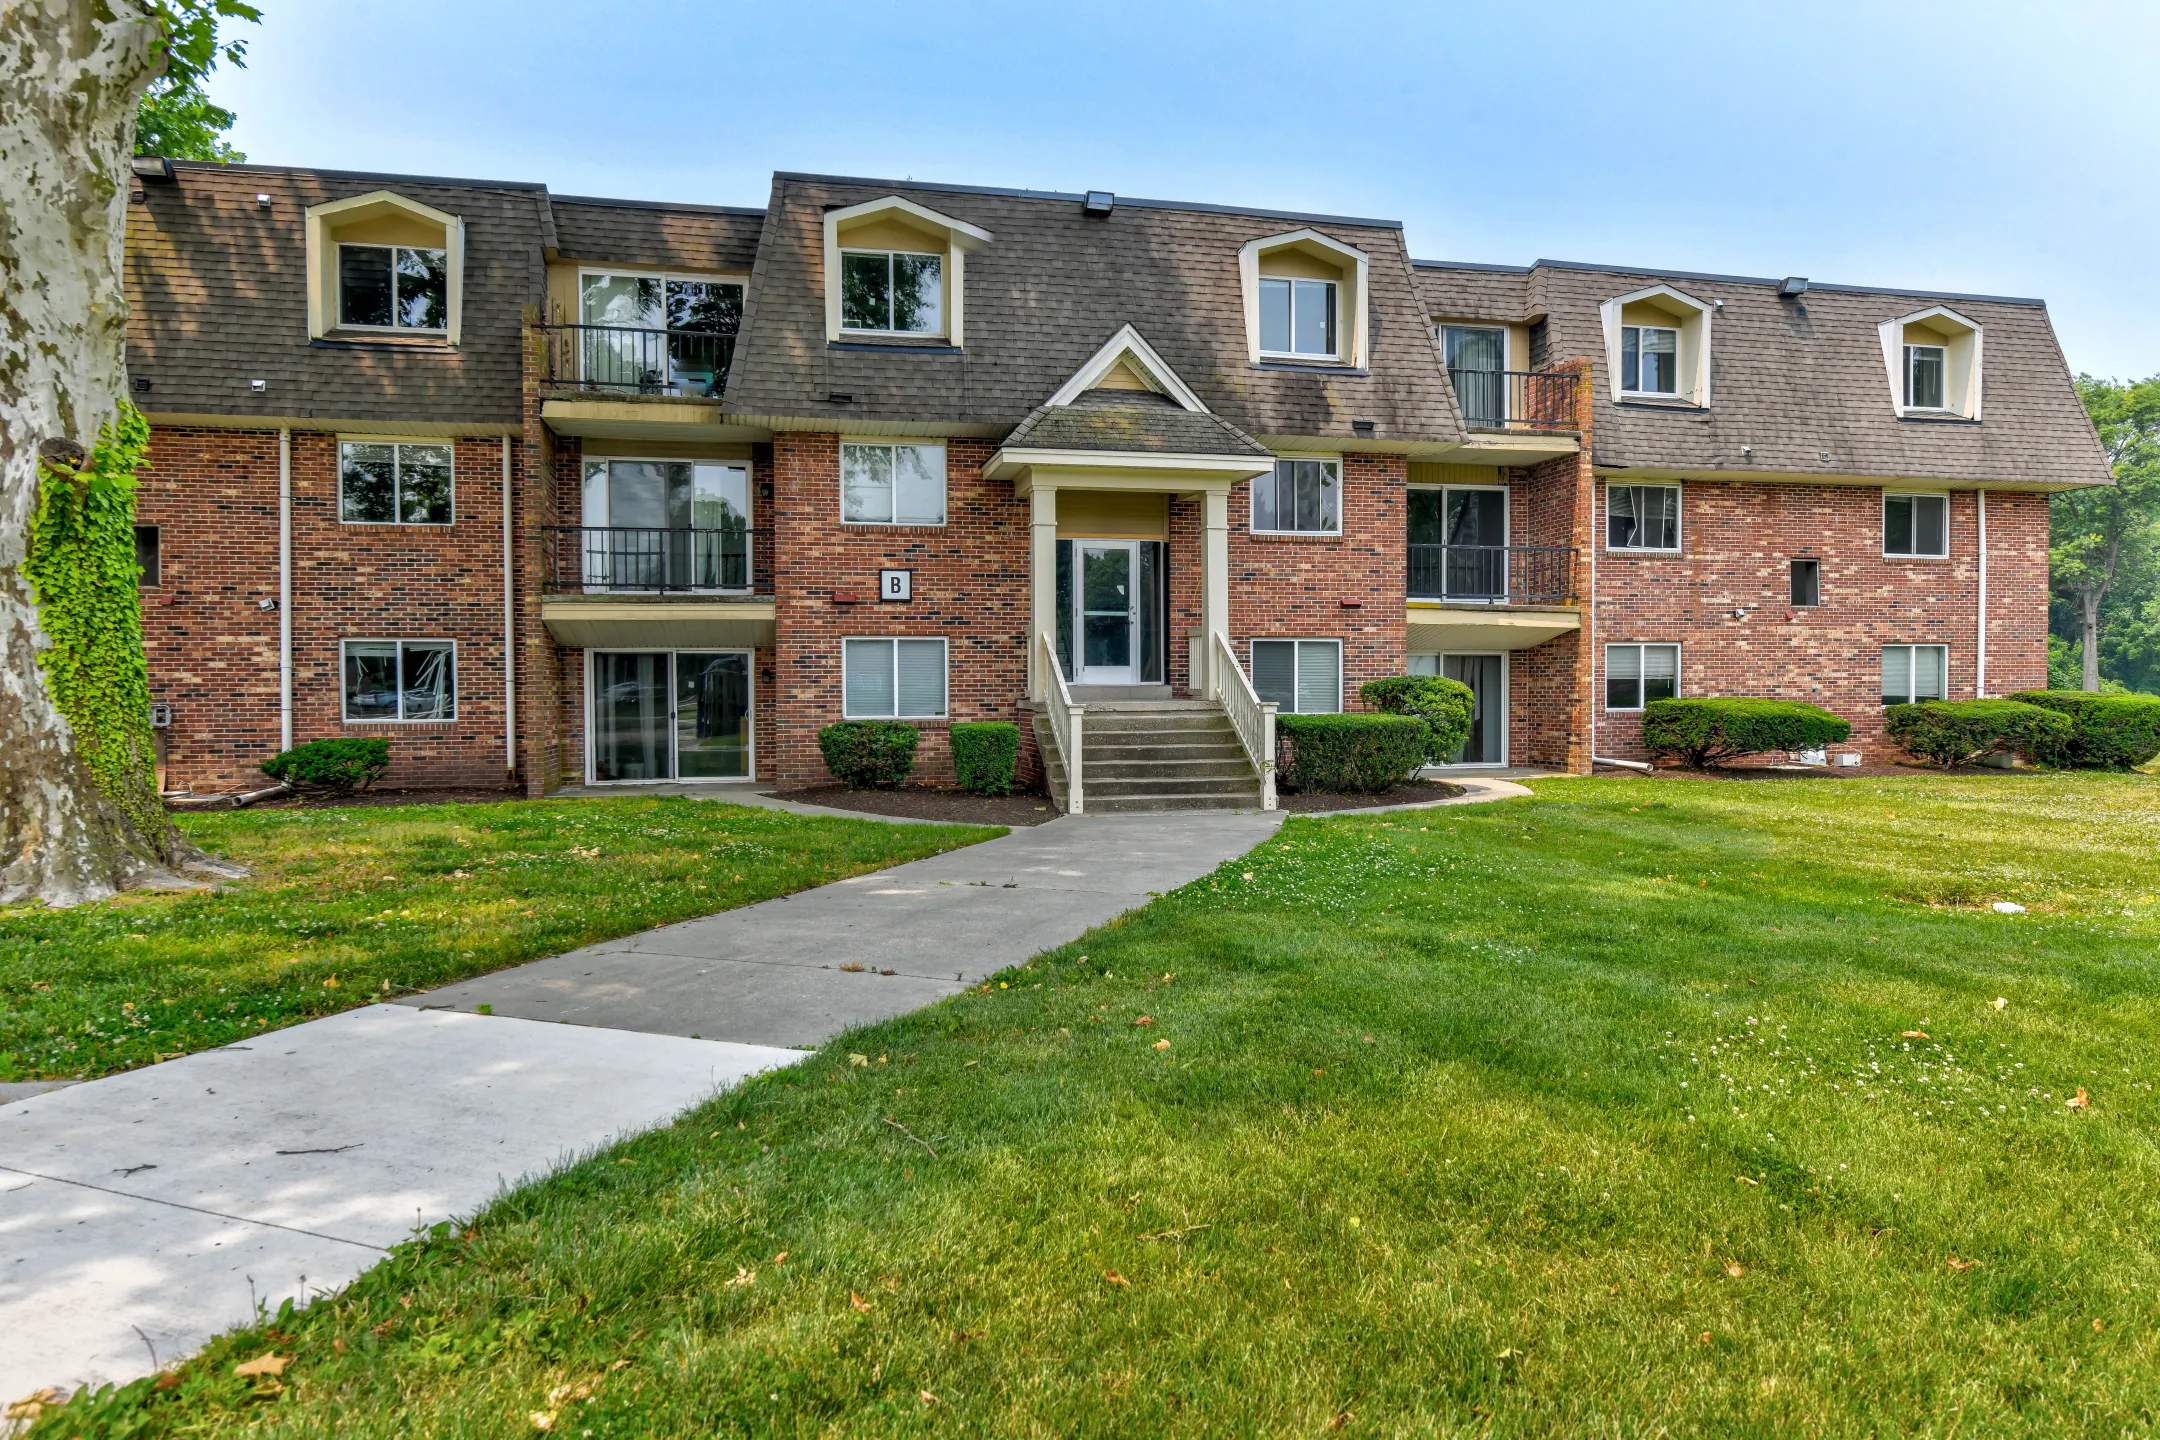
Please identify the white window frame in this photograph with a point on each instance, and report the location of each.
(944, 324)
(1888, 496)
(1330, 356)
(893, 642)
(674, 768)
(634, 272)
(1942, 361)
(1638, 393)
(1297, 665)
(397, 485)
(1679, 518)
(1694, 379)
(337, 286)
(1641, 688)
(1912, 653)
(1333, 465)
(944, 483)
(457, 690)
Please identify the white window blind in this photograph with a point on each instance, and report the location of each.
(898, 679)
(1913, 673)
(1637, 674)
(1302, 677)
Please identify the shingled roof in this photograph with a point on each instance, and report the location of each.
(1131, 422)
(217, 298)
(1801, 380)
(670, 237)
(1051, 288)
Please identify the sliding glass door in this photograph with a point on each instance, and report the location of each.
(1486, 675)
(660, 715)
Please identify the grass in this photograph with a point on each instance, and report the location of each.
(352, 905)
(1641, 1107)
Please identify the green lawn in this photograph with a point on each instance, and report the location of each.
(1643, 1107)
(350, 905)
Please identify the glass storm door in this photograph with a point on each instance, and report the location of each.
(631, 717)
(712, 716)
(1106, 612)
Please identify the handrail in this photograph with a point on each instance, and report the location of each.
(603, 558)
(1515, 399)
(1251, 717)
(1494, 574)
(1067, 720)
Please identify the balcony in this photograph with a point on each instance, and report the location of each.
(619, 360)
(627, 559)
(1515, 399)
(1492, 574)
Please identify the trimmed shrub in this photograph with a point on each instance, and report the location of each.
(986, 753)
(338, 766)
(1960, 732)
(869, 754)
(1701, 733)
(2108, 732)
(1444, 705)
(1348, 752)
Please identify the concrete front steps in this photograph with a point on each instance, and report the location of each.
(1154, 755)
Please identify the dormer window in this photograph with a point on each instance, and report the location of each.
(1932, 357)
(393, 287)
(1925, 367)
(1297, 317)
(892, 292)
(1649, 360)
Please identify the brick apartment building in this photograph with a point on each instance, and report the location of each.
(556, 490)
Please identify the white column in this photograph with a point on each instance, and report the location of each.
(1042, 615)
(1214, 579)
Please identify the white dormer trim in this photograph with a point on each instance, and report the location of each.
(322, 254)
(960, 238)
(1354, 321)
(1129, 344)
(1963, 399)
(1695, 379)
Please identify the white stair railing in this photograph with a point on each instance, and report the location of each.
(1067, 720)
(1252, 718)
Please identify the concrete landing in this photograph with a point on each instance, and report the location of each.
(154, 1209)
(776, 973)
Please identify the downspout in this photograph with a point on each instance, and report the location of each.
(1980, 663)
(1589, 630)
(509, 626)
(284, 607)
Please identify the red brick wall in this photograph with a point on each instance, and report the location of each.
(1737, 541)
(213, 652)
(971, 586)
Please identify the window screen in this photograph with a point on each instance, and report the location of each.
(1297, 317)
(1649, 360)
(1637, 674)
(1917, 525)
(1642, 517)
(1302, 677)
(1913, 673)
(892, 484)
(894, 679)
(1924, 367)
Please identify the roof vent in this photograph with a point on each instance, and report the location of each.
(151, 167)
(1098, 202)
(1792, 287)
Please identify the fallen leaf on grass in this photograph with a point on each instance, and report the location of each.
(542, 1419)
(1999, 1003)
(779, 1259)
(862, 1306)
(1914, 1034)
(1703, 1338)
(926, 1397)
(1341, 1420)
(1747, 1180)
(1735, 1269)
(742, 1277)
(268, 1363)
(858, 1059)
(1145, 1020)
(1961, 1266)
(1162, 1044)
(170, 1381)
(2079, 1100)
(2098, 1326)
(1115, 1279)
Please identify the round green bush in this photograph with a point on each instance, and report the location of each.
(1444, 705)
(986, 753)
(1360, 753)
(339, 766)
(2108, 732)
(1959, 732)
(1706, 732)
(869, 754)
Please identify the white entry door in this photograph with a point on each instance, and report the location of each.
(1108, 591)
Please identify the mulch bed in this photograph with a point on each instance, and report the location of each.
(940, 807)
(1415, 792)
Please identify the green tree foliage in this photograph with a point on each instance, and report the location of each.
(180, 123)
(82, 564)
(2104, 543)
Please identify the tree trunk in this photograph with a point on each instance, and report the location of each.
(71, 72)
(2089, 624)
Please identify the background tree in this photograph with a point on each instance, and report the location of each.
(2104, 543)
(72, 73)
(178, 121)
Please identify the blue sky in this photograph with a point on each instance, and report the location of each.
(1976, 146)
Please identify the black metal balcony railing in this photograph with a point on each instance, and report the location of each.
(1493, 574)
(1515, 399)
(632, 558)
(641, 362)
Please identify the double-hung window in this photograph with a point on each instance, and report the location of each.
(1649, 360)
(1642, 517)
(1302, 677)
(892, 292)
(1913, 673)
(1637, 674)
(388, 483)
(893, 679)
(1925, 366)
(892, 484)
(393, 287)
(1916, 526)
(1302, 497)
(1297, 318)
(400, 680)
